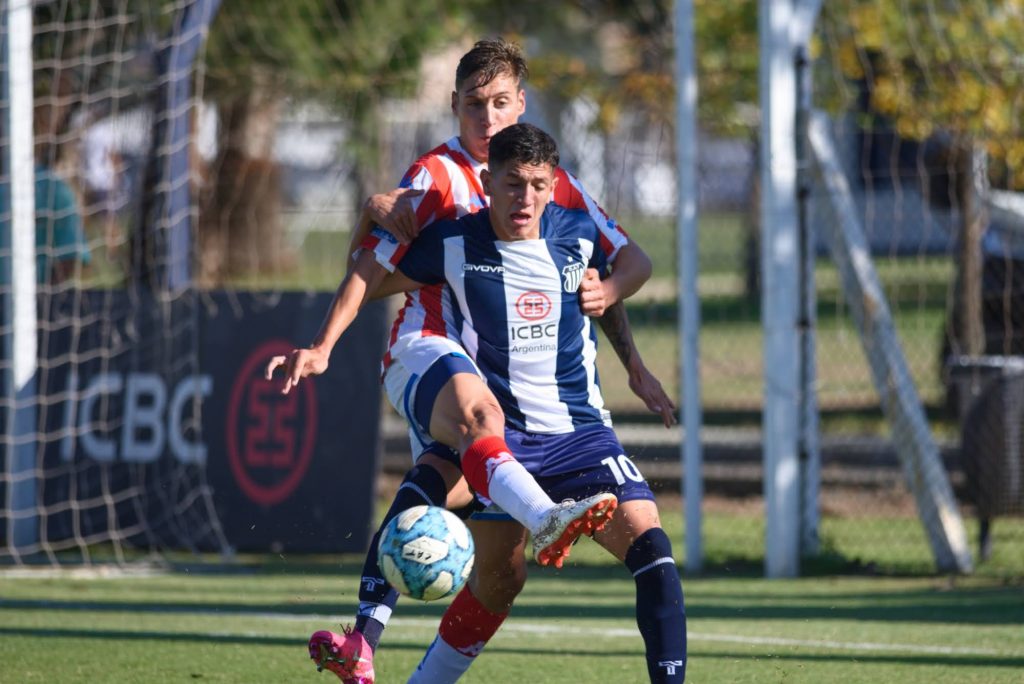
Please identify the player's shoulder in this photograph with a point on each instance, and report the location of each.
(568, 221)
(462, 225)
(439, 158)
(568, 192)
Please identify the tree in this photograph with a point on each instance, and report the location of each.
(950, 68)
(344, 55)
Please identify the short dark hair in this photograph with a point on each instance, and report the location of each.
(492, 57)
(522, 143)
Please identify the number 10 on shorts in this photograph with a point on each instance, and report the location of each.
(623, 468)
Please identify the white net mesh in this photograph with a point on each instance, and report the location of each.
(118, 463)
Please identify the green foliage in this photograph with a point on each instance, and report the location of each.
(327, 51)
(620, 54)
(727, 62)
(954, 67)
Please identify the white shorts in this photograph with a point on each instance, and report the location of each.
(401, 380)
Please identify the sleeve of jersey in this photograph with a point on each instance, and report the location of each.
(388, 251)
(423, 261)
(570, 194)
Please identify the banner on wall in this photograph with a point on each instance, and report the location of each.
(151, 409)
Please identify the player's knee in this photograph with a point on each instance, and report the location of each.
(483, 417)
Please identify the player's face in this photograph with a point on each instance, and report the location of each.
(519, 193)
(484, 109)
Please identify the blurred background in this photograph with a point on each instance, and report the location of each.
(200, 164)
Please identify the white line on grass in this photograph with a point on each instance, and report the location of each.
(860, 646)
(538, 628)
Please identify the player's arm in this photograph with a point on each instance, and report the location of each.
(353, 292)
(631, 269)
(393, 211)
(642, 382)
(394, 283)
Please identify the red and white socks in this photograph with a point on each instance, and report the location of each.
(465, 629)
(492, 471)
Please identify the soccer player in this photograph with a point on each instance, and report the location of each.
(445, 183)
(514, 271)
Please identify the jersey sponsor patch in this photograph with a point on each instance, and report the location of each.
(533, 305)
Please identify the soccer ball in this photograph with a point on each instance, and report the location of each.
(426, 552)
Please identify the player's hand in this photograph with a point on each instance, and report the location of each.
(593, 298)
(394, 213)
(297, 364)
(648, 388)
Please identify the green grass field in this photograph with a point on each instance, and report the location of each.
(248, 622)
(868, 611)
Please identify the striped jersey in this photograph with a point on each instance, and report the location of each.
(518, 314)
(449, 179)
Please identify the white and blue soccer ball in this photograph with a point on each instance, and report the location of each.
(426, 552)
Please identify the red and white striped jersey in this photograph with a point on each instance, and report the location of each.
(449, 179)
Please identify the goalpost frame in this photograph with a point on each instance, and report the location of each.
(688, 297)
(19, 301)
(791, 457)
(793, 141)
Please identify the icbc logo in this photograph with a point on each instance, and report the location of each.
(270, 436)
(533, 305)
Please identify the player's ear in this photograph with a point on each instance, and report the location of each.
(485, 178)
(455, 102)
(521, 101)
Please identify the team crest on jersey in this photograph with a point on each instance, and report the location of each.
(572, 276)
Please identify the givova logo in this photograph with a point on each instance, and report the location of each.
(483, 268)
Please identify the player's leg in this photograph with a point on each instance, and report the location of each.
(499, 573)
(461, 412)
(433, 480)
(500, 570)
(350, 654)
(427, 483)
(635, 537)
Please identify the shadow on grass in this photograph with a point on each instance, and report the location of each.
(862, 657)
(546, 600)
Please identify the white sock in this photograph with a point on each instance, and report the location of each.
(514, 489)
(441, 664)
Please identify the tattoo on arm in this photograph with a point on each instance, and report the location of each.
(615, 325)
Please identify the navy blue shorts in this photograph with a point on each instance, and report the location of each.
(433, 380)
(607, 470)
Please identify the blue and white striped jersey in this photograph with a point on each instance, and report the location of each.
(518, 312)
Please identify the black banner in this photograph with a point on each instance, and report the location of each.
(148, 406)
(295, 471)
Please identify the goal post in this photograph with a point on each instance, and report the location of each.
(19, 272)
(790, 456)
(919, 457)
(100, 376)
(691, 452)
